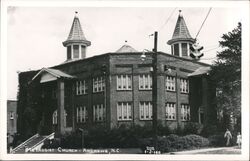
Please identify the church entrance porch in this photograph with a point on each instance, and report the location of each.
(56, 101)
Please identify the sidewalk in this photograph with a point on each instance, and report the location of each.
(221, 150)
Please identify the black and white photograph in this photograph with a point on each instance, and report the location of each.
(158, 80)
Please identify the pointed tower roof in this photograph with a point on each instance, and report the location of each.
(126, 49)
(181, 31)
(76, 34)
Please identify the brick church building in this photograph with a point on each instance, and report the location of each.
(116, 88)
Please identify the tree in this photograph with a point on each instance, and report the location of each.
(226, 75)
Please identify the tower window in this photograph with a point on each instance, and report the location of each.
(176, 49)
(184, 49)
(69, 52)
(83, 51)
(75, 51)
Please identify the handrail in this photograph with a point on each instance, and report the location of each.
(52, 134)
(25, 142)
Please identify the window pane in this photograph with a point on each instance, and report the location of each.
(129, 111)
(184, 49)
(69, 52)
(176, 49)
(75, 51)
(83, 51)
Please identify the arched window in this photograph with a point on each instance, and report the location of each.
(55, 116)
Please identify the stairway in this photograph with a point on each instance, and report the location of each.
(31, 143)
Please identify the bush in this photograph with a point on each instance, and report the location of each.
(217, 140)
(209, 130)
(174, 142)
(192, 128)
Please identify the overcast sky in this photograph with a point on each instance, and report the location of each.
(35, 34)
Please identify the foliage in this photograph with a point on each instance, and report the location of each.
(192, 128)
(209, 130)
(122, 136)
(226, 73)
(27, 108)
(173, 143)
(217, 140)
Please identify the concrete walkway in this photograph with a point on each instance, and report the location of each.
(221, 150)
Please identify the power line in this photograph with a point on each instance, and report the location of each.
(212, 49)
(203, 22)
(168, 19)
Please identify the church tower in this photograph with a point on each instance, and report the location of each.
(76, 42)
(181, 39)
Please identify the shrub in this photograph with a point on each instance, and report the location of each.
(217, 140)
(209, 130)
(192, 128)
(174, 142)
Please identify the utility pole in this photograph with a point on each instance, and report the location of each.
(154, 87)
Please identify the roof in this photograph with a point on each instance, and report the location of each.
(181, 31)
(55, 72)
(76, 33)
(126, 49)
(200, 71)
(125, 53)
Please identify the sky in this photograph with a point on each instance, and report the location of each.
(35, 34)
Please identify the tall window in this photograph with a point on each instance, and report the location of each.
(184, 85)
(76, 51)
(81, 87)
(145, 82)
(55, 116)
(176, 49)
(170, 111)
(170, 83)
(184, 49)
(83, 51)
(146, 110)
(124, 82)
(98, 84)
(99, 113)
(81, 114)
(124, 111)
(69, 52)
(185, 112)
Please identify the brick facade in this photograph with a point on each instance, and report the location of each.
(129, 64)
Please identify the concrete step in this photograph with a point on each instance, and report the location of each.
(30, 143)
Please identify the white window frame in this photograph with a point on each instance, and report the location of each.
(81, 114)
(145, 82)
(81, 87)
(99, 113)
(124, 111)
(185, 112)
(170, 83)
(124, 82)
(98, 84)
(184, 85)
(146, 110)
(170, 111)
(55, 117)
